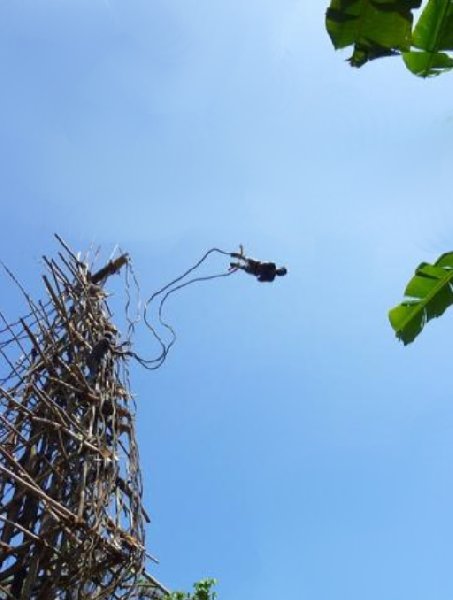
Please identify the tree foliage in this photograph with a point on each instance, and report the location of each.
(377, 28)
(428, 295)
(202, 591)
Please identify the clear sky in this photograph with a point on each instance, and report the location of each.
(290, 446)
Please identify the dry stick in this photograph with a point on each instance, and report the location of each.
(72, 388)
(28, 483)
(16, 339)
(34, 309)
(77, 273)
(59, 305)
(61, 429)
(30, 535)
(66, 247)
(11, 427)
(7, 593)
(37, 347)
(63, 417)
(16, 501)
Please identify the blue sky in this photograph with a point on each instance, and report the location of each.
(290, 446)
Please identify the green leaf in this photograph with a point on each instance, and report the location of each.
(428, 295)
(374, 28)
(428, 64)
(446, 260)
(366, 52)
(202, 591)
(434, 29)
(432, 34)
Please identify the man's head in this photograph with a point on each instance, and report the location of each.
(282, 271)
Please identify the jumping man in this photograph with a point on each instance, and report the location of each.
(263, 271)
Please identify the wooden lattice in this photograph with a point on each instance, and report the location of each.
(71, 514)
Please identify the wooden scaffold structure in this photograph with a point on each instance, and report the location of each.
(71, 514)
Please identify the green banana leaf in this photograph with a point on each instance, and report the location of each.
(432, 34)
(434, 29)
(374, 28)
(428, 64)
(428, 295)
